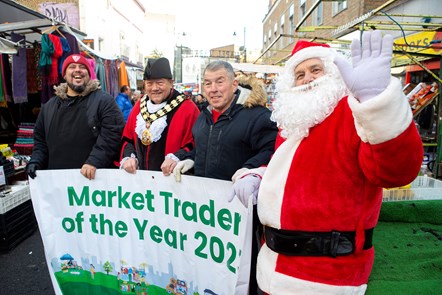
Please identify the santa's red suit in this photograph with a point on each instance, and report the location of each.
(332, 180)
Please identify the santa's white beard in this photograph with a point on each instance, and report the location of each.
(298, 109)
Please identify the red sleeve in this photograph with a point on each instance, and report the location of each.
(180, 129)
(395, 162)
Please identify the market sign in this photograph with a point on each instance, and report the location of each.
(142, 233)
(419, 43)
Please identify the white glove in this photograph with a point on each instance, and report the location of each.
(245, 188)
(239, 173)
(182, 167)
(370, 74)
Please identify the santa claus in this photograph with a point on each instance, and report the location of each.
(346, 131)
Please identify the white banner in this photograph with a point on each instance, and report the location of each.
(142, 234)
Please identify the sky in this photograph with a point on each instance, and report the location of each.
(211, 23)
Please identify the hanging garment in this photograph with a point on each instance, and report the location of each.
(91, 62)
(19, 65)
(72, 41)
(58, 51)
(122, 74)
(31, 71)
(66, 52)
(100, 73)
(7, 79)
(113, 77)
(47, 50)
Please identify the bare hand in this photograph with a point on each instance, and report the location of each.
(130, 166)
(168, 166)
(88, 171)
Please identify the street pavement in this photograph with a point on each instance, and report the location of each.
(23, 270)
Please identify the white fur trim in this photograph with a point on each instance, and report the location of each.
(273, 282)
(244, 93)
(383, 117)
(265, 267)
(308, 53)
(271, 191)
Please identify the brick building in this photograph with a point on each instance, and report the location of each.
(287, 21)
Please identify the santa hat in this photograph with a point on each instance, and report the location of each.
(304, 50)
(157, 69)
(78, 59)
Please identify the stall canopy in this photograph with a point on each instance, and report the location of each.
(254, 68)
(24, 21)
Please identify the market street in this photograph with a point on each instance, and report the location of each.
(24, 270)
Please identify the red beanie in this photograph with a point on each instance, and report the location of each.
(75, 58)
(304, 50)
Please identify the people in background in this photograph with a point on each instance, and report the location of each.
(232, 135)
(124, 101)
(136, 96)
(200, 101)
(158, 132)
(80, 127)
(346, 132)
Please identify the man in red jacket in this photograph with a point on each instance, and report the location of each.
(346, 131)
(158, 132)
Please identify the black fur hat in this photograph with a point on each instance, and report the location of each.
(157, 68)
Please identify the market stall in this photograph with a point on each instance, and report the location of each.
(32, 50)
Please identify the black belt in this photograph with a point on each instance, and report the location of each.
(302, 243)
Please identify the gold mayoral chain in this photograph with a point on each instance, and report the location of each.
(146, 136)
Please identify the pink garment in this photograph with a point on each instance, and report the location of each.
(91, 62)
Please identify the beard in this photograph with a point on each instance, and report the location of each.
(297, 109)
(77, 88)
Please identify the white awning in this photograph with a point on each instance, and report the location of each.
(7, 46)
(254, 68)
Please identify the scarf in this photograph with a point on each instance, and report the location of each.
(47, 50)
(19, 62)
(66, 52)
(58, 51)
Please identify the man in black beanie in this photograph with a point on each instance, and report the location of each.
(158, 132)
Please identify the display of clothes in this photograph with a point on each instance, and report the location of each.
(55, 47)
(33, 76)
(19, 60)
(40, 62)
(6, 81)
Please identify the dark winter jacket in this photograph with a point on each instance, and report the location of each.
(94, 132)
(243, 136)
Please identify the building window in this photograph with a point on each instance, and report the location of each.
(270, 35)
(317, 15)
(302, 8)
(338, 6)
(291, 18)
(275, 29)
